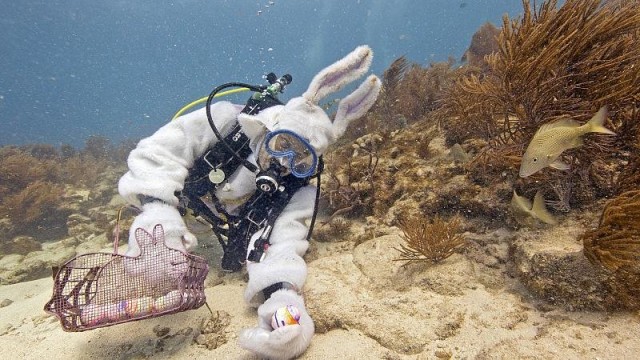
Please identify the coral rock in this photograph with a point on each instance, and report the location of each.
(552, 267)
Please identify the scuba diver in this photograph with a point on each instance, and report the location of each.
(256, 163)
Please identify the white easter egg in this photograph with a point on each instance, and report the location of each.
(167, 302)
(145, 305)
(286, 315)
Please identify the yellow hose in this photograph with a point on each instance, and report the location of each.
(204, 100)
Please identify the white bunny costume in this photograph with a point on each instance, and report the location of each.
(160, 163)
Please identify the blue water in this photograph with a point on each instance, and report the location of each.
(121, 68)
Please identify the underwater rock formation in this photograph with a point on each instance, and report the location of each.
(21, 245)
(551, 266)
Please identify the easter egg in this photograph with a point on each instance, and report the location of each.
(130, 306)
(121, 308)
(93, 315)
(286, 315)
(115, 312)
(167, 302)
(145, 305)
(139, 306)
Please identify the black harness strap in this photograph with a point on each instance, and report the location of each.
(260, 212)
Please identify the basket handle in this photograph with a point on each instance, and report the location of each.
(116, 229)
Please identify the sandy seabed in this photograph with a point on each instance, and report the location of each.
(365, 306)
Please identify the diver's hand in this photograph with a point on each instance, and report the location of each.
(282, 343)
(156, 264)
(176, 234)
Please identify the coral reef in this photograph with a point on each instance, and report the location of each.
(351, 186)
(615, 243)
(54, 203)
(432, 242)
(457, 150)
(554, 62)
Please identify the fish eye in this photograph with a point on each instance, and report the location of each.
(535, 159)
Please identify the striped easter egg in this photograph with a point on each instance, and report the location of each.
(286, 315)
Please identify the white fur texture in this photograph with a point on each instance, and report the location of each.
(334, 77)
(176, 236)
(159, 164)
(356, 104)
(286, 342)
(283, 260)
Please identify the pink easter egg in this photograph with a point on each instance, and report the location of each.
(93, 315)
(131, 306)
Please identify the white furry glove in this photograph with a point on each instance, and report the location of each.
(282, 343)
(176, 236)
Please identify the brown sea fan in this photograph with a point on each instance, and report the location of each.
(615, 243)
(432, 242)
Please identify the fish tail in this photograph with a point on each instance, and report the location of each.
(540, 210)
(596, 124)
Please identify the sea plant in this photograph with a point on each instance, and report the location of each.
(36, 209)
(615, 246)
(483, 43)
(553, 62)
(18, 169)
(429, 241)
(615, 243)
(34, 178)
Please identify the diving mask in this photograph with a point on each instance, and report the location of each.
(293, 152)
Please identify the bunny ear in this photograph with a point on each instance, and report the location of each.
(342, 72)
(143, 238)
(158, 234)
(356, 104)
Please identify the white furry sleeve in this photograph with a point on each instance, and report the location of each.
(283, 261)
(159, 164)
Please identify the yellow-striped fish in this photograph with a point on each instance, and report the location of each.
(552, 139)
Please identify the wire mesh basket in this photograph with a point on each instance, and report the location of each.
(101, 289)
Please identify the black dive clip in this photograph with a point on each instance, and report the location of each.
(260, 246)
